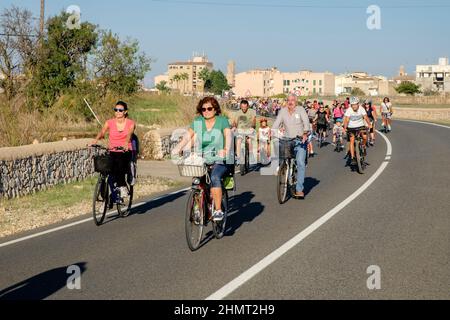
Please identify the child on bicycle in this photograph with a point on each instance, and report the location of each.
(338, 132)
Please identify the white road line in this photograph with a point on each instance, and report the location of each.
(275, 255)
(110, 213)
(423, 122)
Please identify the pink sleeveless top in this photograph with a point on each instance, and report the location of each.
(117, 138)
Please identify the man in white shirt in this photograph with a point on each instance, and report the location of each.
(355, 121)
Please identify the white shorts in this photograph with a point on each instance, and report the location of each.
(387, 115)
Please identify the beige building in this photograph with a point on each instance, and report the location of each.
(161, 78)
(403, 76)
(231, 71)
(183, 76)
(370, 85)
(192, 68)
(269, 82)
(434, 77)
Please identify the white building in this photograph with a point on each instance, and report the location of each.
(370, 85)
(434, 77)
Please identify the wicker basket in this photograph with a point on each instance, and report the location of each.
(187, 170)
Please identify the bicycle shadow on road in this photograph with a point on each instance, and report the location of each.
(309, 184)
(40, 286)
(241, 211)
(152, 204)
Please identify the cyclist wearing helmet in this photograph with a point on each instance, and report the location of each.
(338, 131)
(355, 122)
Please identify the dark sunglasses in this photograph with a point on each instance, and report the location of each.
(209, 109)
(119, 110)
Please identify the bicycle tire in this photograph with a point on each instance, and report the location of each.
(293, 186)
(282, 186)
(124, 209)
(194, 241)
(247, 157)
(100, 199)
(220, 226)
(359, 157)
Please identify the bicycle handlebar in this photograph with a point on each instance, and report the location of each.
(104, 148)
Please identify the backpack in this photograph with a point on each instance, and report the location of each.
(135, 147)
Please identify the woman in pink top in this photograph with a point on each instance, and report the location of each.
(120, 130)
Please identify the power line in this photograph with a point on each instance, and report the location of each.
(18, 35)
(262, 5)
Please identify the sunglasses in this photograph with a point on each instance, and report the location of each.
(207, 109)
(119, 110)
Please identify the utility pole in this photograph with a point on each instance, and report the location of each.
(41, 22)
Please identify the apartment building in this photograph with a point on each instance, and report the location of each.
(269, 82)
(370, 85)
(434, 77)
(183, 76)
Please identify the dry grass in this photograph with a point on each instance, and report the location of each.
(71, 118)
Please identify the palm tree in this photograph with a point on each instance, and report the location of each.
(184, 76)
(176, 78)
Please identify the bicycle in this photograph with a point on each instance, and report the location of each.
(320, 138)
(339, 145)
(102, 192)
(244, 153)
(200, 204)
(360, 152)
(287, 172)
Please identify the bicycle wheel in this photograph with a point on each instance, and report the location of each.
(194, 219)
(243, 158)
(293, 185)
(219, 226)
(124, 208)
(282, 186)
(247, 157)
(100, 200)
(359, 157)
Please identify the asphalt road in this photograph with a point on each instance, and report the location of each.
(400, 223)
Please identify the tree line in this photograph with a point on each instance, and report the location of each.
(39, 68)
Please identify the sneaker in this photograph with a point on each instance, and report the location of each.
(123, 191)
(218, 215)
(353, 162)
(371, 143)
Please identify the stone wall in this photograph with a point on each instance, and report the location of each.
(157, 144)
(26, 169)
(422, 114)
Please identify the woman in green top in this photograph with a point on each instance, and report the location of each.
(210, 132)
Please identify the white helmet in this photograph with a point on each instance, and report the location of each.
(354, 100)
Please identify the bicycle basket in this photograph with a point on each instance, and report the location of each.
(189, 170)
(103, 164)
(286, 150)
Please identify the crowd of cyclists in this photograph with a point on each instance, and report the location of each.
(220, 137)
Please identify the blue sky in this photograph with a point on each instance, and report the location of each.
(328, 35)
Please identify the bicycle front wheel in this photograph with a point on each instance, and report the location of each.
(282, 187)
(100, 200)
(219, 226)
(194, 219)
(359, 158)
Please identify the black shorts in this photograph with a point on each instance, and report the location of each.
(322, 126)
(354, 131)
(372, 122)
